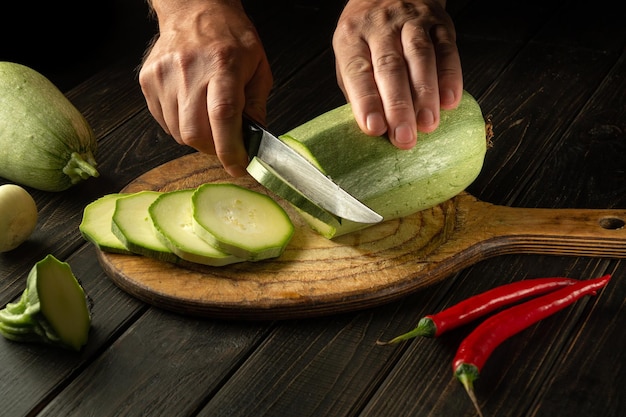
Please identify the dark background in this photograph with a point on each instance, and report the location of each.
(69, 41)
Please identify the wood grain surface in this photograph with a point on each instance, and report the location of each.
(317, 276)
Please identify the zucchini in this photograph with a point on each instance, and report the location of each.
(132, 225)
(171, 215)
(240, 221)
(95, 225)
(45, 142)
(391, 181)
(52, 309)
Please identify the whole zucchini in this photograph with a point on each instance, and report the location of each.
(45, 142)
(391, 181)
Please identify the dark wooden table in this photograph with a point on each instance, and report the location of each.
(552, 77)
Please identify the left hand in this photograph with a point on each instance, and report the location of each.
(397, 63)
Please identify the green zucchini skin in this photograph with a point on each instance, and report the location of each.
(45, 142)
(391, 181)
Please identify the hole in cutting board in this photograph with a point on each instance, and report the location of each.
(612, 223)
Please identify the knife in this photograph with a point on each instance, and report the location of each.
(303, 176)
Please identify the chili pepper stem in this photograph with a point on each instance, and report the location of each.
(425, 327)
(467, 374)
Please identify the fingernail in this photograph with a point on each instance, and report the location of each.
(446, 97)
(425, 118)
(376, 124)
(404, 135)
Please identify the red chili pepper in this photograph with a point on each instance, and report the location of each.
(476, 348)
(434, 325)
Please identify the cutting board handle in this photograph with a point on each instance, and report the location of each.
(578, 232)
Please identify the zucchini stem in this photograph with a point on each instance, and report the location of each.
(79, 168)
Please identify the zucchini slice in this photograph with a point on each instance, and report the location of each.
(240, 221)
(95, 226)
(171, 215)
(132, 225)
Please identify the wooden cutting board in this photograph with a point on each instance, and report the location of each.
(316, 276)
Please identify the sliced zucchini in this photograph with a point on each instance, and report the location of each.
(95, 226)
(240, 221)
(171, 215)
(132, 225)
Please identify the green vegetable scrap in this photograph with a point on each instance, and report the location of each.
(53, 308)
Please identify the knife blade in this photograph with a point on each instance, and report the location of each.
(304, 176)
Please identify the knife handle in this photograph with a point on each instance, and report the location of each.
(252, 134)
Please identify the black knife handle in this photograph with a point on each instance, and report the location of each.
(252, 134)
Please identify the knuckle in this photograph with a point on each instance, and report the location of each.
(223, 109)
(189, 137)
(358, 65)
(421, 89)
(223, 56)
(390, 62)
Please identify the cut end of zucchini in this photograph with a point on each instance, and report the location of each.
(53, 308)
(62, 301)
(240, 221)
(270, 179)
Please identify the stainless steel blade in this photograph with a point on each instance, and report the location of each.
(307, 179)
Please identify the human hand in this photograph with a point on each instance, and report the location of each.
(204, 71)
(398, 64)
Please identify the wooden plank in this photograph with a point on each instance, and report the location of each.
(530, 104)
(326, 366)
(593, 148)
(163, 365)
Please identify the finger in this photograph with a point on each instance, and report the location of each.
(356, 79)
(225, 102)
(154, 105)
(392, 79)
(257, 91)
(448, 66)
(193, 120)
(422, 67)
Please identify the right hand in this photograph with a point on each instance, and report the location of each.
(204, 71)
